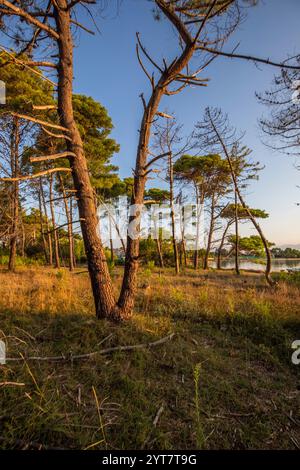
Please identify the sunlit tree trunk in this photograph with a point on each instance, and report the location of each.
(128, 290)
(42, 224)
(112, 257)
(199, 209)
(229, 223)
(23, 241)
(97, 265)
(244, 205)
(236, 220)
(171, 184)
(70, 232)
(73, 238)
(184, 252)
(50, 248)
(15, 138)
(55, 234)
(182, 230)
(159, 251)
(210, 232)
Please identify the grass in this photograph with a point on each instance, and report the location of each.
(200, 433)
(224, 381)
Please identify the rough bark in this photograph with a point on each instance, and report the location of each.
(126, 299)
(97, 265)
(128, 290)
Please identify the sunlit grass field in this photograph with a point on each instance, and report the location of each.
(224, 380)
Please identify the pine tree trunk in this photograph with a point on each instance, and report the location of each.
(222, 243)
(236, 219)
(210, 233)
(42, 224)
(198, 215)
(47, 224)
(159, 251)
(248, 211)
(73, 238)
(171, 181)
(15, 137)
(128, 291)
(23, 239)
(158, 245)
(182, 229)
(184, 252)
(70, 232)
(97, 265)
(55, 234)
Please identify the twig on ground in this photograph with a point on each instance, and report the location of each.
(12, 384)
(72, 358)
(295, 442)
(158, 415)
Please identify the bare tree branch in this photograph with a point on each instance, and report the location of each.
(37, 175)
(30, 19)
(54, 156)
(247, 57)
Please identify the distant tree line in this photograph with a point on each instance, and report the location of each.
(285, 252)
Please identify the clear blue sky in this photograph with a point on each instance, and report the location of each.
(107, 69)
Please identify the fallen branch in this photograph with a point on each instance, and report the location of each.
(72, 358)
(158, 414)
(227, 415)
(11, 384)
(295, 442)
(155, 422)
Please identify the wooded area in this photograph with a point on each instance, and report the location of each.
(153, 285)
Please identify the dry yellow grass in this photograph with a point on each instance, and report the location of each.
(235, 330)
(45, 290)
(42, 290)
